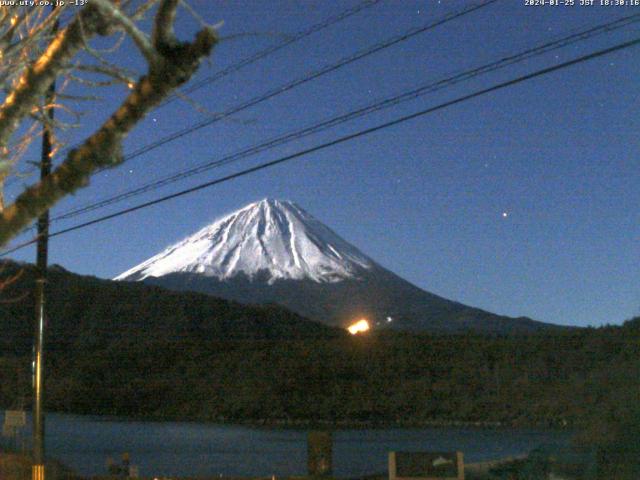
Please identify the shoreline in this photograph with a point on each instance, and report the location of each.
(306, 424)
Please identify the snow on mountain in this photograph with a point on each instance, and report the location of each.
(273, 236)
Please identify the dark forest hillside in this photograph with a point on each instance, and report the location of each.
(131, 349)
(87, 313)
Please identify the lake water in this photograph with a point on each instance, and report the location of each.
(199, 449)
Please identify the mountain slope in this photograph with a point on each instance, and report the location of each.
(268, 236)
(86, 312)
(274, 252)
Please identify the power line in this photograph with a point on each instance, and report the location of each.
(343, 139)
(262, 54)
(305, 79)
(270, 50)
(309, 77)
(376, 106)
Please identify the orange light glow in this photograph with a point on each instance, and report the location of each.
(360, 326)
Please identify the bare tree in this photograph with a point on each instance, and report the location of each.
(33, 54)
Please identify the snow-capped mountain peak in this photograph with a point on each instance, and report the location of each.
(272, 236)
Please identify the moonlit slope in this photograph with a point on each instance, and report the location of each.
(272, 236)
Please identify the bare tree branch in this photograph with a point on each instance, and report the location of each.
(7, 282)
(178, 62)
(142, 9)
(139, 37)
(162, 36)
(36, 79)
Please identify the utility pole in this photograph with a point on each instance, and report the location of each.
(37, 469)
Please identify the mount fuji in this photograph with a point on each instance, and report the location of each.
(272, 239)
(273, 251)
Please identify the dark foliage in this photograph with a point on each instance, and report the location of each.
(87, 313)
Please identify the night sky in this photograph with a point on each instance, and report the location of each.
(521, 202)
